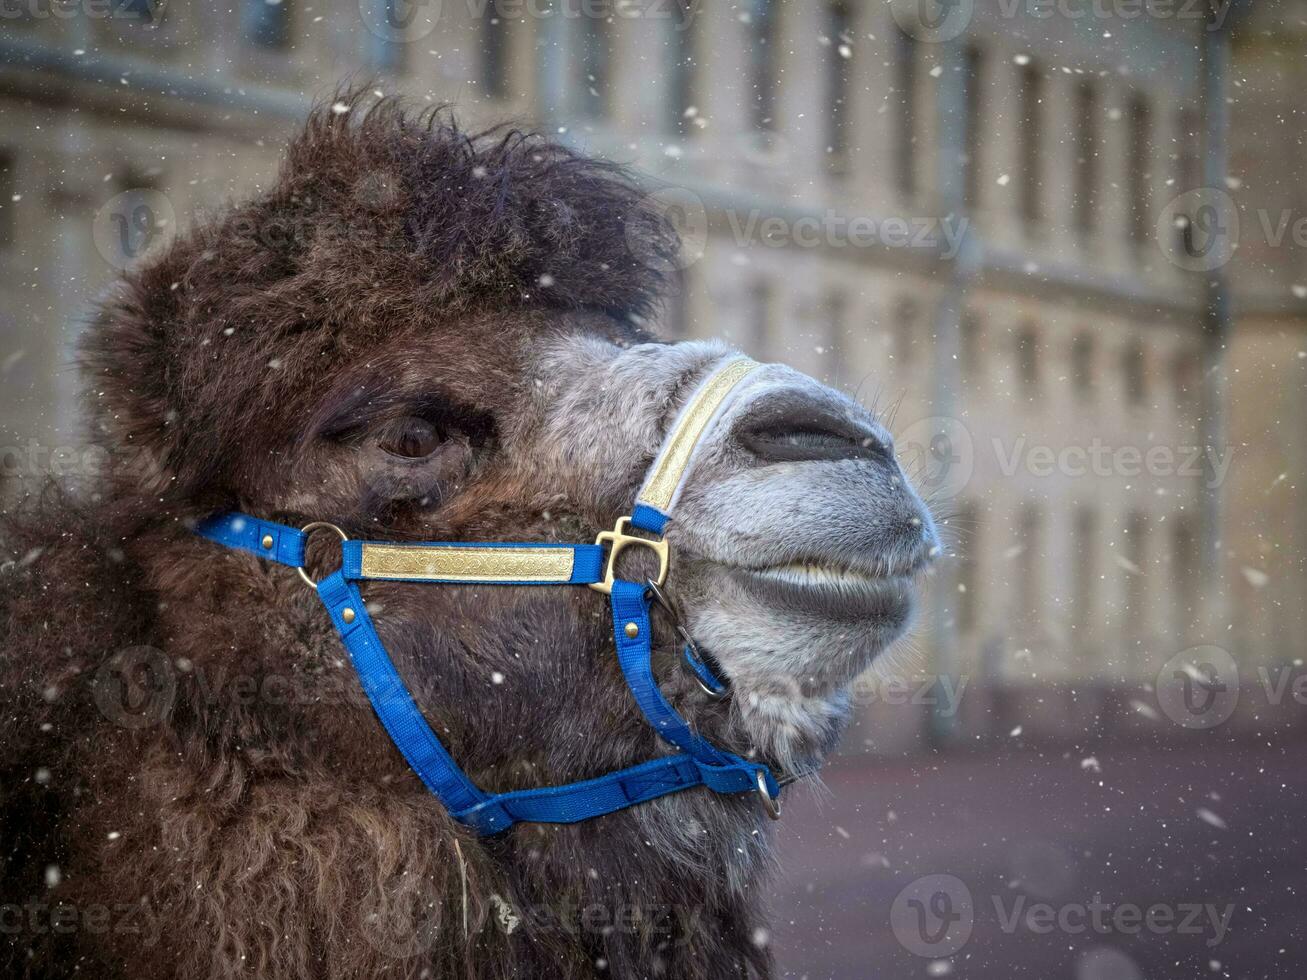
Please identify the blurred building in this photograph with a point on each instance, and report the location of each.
(977, 225)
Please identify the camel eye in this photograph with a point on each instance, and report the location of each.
(411, 438)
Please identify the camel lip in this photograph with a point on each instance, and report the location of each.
(831, 591)
(813, 571)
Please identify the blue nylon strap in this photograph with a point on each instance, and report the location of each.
(391, 700)
(699, 764)
(649, 519)
(245, 533)
(630, 605)
(587, 562)
(574, 802)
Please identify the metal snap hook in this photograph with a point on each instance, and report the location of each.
(770, 805)
(684, 634)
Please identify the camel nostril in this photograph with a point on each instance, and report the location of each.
(800, 434)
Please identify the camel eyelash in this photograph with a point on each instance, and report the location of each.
(370, 419)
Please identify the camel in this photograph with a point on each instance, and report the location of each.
(418, 334)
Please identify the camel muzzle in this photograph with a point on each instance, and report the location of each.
(698, 763)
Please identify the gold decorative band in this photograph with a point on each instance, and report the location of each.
(443, 563)
(675, 457)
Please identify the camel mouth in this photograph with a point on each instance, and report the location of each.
(831, 591)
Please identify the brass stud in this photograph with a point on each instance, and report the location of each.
(347, 614)
(632, 630)
(267, 541)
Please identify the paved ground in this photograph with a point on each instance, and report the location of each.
(1024, 837)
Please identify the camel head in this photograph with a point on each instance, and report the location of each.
(419, 335)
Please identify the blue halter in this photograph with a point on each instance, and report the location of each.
(698, 763)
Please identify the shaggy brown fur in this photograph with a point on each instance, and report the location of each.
(191, 783)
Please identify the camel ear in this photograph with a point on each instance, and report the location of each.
(133, 399)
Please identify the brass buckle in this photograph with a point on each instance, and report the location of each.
(617, 539)
(308, 529)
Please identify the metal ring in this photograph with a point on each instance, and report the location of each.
(308, 529)
(771, 806)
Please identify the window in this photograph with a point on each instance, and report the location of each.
(837, 82)
(762, 20)
(836, 309)
(1136, 556)
(266, 22)
(1086, 176)
(389, 54)
(495, 40)
(1028, 359)
(905, 331)
(1188, 177)
(1085, 569)
(1082, 366)
(8, 206)
(684, 116)
(968, 567)
(149, 11)
(762, 302)
(972, 80)
(1185, 381)
(1133, 368)
(969, 343)
(593, 63)
(1185, 560)
(1138, 169)
(1028, 540)
(1030, 98)
(905, 117)
(1186, 159)
(676, 308)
